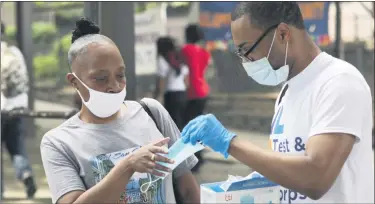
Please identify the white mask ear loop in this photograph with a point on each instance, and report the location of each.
(286, 51)
(148, 184)
(273, 39)
(74, 74)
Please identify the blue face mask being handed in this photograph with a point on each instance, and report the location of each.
(263, 73)
(178, 152)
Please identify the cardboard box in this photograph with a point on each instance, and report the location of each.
(251, 190)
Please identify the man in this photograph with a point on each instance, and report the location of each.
(14, 88)
(321, 130)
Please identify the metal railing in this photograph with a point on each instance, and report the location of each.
(38, 114)
(32, 114)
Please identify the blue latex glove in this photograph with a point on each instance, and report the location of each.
(208, 130)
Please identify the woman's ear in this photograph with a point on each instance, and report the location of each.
(72, 80)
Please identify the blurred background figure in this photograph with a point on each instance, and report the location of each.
(172, 80)
(14, 88)
(197, 58)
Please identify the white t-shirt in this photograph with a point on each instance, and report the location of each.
(330, 95)
(173, 82)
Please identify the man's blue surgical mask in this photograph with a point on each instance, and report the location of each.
(263, 73)
(179, 152)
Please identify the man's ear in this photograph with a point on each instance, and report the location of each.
(284, 32)
(72, 80)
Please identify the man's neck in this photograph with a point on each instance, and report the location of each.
(306, 54)
(88, 117)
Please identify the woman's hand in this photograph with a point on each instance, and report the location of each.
(144, 159)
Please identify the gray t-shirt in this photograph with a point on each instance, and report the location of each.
(77, 155)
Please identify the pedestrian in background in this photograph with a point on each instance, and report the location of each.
(172, 80)
(14, 88)
(197, 58)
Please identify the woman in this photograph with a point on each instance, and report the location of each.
(197, 59)
(172, 79)
(104, 153)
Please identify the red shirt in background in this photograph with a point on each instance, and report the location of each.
(197, 59)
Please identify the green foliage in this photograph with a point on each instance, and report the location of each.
(68, 17)
(143, 6)
(65, 42)
(56, 5)
(10, 32)
(71, 13)
(178, 3)
(8, 5)
(45, 65)
(41, 32)
(51, 64)
(44, 32)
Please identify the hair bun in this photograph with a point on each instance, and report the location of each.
(84, 27)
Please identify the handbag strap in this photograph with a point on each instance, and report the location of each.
(174, 181)
(285, 88)
(148, 111)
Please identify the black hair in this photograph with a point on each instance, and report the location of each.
(2, 28)
(266, 14)
(167, 49)
(193, 33)
(84, 27)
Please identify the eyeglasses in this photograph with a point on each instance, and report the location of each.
(243, 53)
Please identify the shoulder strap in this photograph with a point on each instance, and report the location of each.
(148, 111)
(282, 94)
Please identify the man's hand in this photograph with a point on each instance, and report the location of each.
(210, 131)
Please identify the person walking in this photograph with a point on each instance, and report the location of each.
(322, 126)
(173, 79)
(14, 89)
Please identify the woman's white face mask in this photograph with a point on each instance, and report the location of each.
(103, 105)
